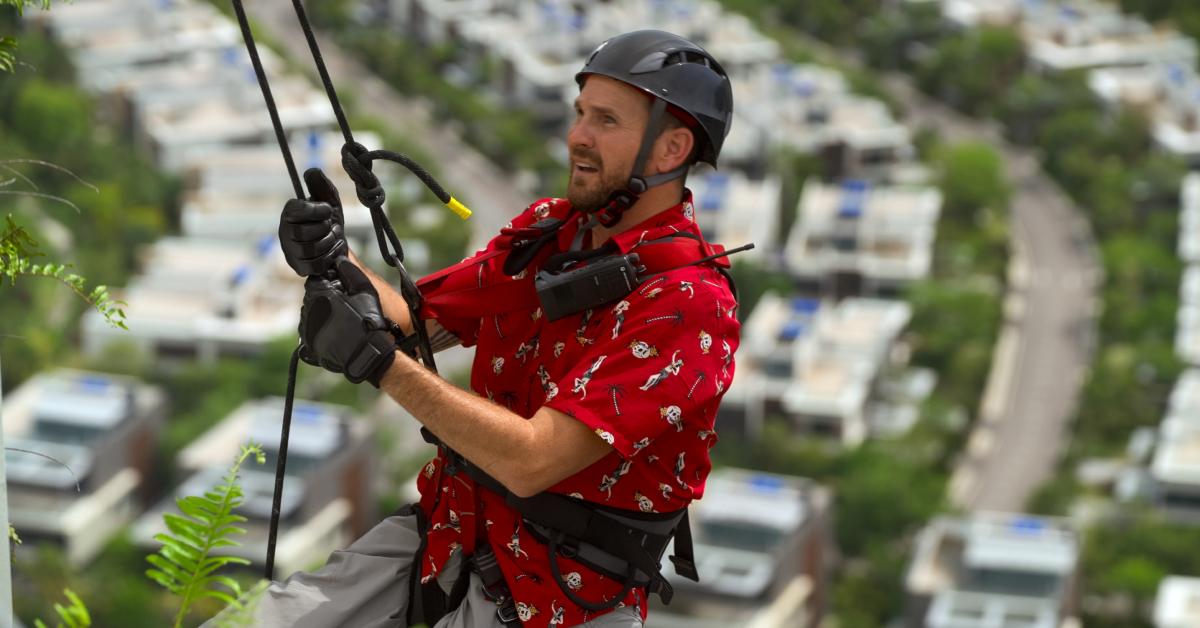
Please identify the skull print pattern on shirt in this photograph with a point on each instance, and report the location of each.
(645, 374)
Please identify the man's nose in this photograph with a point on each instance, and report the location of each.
(579, 136)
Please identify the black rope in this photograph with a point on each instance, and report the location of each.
(415, 168)
(321, 70)
(357, 161)
(248, 37)
(281, 463)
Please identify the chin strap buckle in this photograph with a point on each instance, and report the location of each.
(618, 203)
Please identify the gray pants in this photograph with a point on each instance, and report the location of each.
(366, 585)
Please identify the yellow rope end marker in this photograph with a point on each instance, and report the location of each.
(458, 208)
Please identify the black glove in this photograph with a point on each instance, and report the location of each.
(343, 327)
(312, 230)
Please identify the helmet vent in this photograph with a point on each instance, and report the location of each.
(658, 60)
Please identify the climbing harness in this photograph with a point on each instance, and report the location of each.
(357, 161)
(623, 545)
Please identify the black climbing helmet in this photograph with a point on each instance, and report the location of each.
(676, 71)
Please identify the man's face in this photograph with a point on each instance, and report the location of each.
(610, 118)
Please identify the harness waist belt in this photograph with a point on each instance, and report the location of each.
(623, 545)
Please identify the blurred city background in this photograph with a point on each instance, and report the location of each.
(968, 390)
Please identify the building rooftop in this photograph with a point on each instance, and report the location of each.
(106, 34)
(734, 210)
(197, 128)
(884, 232)
(975, 13)
(1128, 86)
(90, 434)
(1187, 332)
(829, 387)
(864, 328)
(1185, 396)
(1189, 219)
(318, 431)
(1177, 457)
(327, 449)
(199, 293)
(182, 68)
(820, 360)
(773, 501)
(236, 193)
(747, 524)
(774, 328)
(1189, 285)
(993, 570)
(63, 414)
(1177, 604)
(1167, 93)
(1084, 34)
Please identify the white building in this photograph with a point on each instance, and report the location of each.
(763, 545)
(1081, 34)
(968, 14)
(180, 132)
(1187, 326)
(860, 239)
(1175, 465)
(734, 210)
(1177, 604)
(236, 193)
(107, 35)
(1168, 94)
(438, 22)
(809, 109)
(326, 499)
(181, 76)
(818, 365)
(200, 299)
(533, 50)
(993, 571)
(100, 430)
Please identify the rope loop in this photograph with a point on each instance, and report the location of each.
(357, 162)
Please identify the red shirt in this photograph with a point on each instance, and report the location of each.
(646, 374)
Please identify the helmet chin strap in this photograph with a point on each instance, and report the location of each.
(621, 200)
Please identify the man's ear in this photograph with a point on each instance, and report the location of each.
(673, 148)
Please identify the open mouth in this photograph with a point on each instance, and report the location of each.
(585, 169)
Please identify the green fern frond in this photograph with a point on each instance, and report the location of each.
(17, 248)
(185, 564)
(8, 54)
(73, 616)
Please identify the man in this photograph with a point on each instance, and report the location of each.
(599, 415)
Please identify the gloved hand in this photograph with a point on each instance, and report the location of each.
(312, 230)
(343, 327)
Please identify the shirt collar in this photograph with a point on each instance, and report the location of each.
(677, 218)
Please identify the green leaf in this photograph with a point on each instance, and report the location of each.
(168, 568)
(163, 579)
(185, 562)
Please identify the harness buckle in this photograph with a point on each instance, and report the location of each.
(507, 614)
(685, 568)
(567, 547)
(662, 587)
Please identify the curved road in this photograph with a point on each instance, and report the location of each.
(1046, 345)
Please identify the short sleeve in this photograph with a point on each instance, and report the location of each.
(662, 358)
(475, 271)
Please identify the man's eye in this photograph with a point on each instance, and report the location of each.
(609, 120)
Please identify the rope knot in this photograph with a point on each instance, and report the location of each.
(356, 160)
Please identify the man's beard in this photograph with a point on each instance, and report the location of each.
(592, 195)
